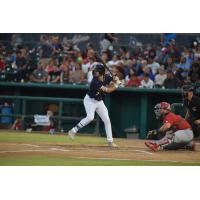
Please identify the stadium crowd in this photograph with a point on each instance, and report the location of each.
(58, 60)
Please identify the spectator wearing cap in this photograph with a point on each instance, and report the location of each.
(146, 82)
(171, 82)
(160, 77)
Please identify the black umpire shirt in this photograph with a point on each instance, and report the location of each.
(194, 107)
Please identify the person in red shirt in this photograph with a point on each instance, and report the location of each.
(178, 132)
(134, 81)
(2, 63)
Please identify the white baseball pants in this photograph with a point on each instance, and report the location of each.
(91, 105)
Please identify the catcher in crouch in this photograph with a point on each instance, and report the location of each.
(178, 132)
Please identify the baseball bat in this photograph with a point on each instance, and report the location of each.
(99, 59)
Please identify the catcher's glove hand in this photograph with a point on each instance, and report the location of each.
(152, 134)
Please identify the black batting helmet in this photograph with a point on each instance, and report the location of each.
(99, 68)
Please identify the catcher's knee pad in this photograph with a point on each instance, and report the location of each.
(175, 146)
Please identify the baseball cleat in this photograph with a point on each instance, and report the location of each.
(71, 134)
(112, 144)
(191, 146)
(152, 146)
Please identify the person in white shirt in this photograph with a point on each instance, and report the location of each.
(153, 65)
(146, 82)
(160, 77)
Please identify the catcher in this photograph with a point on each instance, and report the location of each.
(176, 131)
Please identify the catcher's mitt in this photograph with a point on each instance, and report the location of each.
(152, 134)
(155, 135)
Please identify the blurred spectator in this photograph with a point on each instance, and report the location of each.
(124, 53)
(50, 66)
(2, 63)
(114, 61)
(21, 64)
(170, 65)
(127, 68)
(183, 67)
(160, 77)
(146, 82)
(171, 82)
(166, 38)
(54, 75)
(153, 65)
(119, 71)
(88, 67)
(64, 68)
(46, 50)
(147, 70)
(77, 76)
(41, 123)
(107, 42)
(6, 109)
(194, 73)
(39, 75)
(16, 40)
(134, 81)
(197, 52)
(53, 72)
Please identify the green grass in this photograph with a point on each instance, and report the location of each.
(68, 161)
(46, 138)
(61, 160)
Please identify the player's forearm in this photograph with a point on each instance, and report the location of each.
(165, 127)
(108, 89)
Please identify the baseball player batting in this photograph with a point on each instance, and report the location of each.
(93, 101)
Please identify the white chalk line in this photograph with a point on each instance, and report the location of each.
(31, 145)
(95, 158)
(63, 150)
(67, 150)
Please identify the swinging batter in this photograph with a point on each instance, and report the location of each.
(93, 101)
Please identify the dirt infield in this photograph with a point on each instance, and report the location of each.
(128, 149)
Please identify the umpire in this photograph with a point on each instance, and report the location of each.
(192, 103)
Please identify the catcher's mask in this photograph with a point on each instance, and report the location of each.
(99, 68)
(159, 109)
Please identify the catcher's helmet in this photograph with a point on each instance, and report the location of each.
(99, 68)
(158, 109)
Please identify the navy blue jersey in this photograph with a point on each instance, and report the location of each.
(94, 90)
